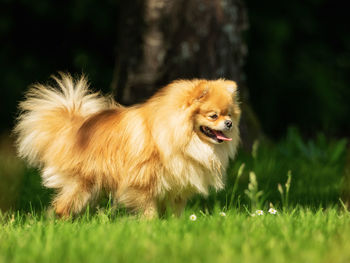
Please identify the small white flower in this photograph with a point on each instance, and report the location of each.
(272, 211)
(222, 214)
(193, 217)
(259, 212)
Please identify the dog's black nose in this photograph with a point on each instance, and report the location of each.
(228, 123)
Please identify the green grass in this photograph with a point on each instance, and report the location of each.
(312, 224)
(300, 235)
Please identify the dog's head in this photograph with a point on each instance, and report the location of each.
(217, 112)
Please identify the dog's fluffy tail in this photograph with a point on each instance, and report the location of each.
(49, 117)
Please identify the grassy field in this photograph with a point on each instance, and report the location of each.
(306, 181)
(300, 235)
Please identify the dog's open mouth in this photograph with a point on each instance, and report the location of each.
(216, 135)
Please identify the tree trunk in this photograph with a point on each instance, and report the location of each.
(164, 40)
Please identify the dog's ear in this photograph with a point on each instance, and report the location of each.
(231, 86)
(200, 91)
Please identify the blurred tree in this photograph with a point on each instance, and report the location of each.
(162, 40)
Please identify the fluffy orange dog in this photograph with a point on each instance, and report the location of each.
(163, 151)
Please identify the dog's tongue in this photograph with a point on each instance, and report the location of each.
(221, 136)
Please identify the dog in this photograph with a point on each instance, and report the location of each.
(149, 156)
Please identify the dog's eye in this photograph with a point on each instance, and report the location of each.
(214, 116)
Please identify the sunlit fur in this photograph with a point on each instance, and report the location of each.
(147, 156)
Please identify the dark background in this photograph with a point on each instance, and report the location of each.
(296, 73)
(297, 69)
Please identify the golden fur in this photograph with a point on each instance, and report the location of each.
(147, 155)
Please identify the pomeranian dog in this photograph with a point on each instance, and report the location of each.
(148, 156)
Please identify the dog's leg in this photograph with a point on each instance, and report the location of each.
(178, 205)
(172, 205)
(150, 210)
(71, 199)
(138, 200)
